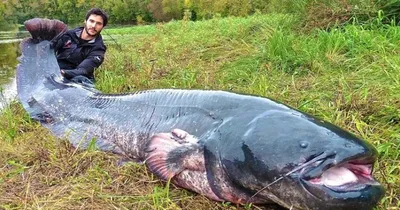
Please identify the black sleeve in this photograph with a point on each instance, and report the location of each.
(93, 61)
(58, 42)
(71, 73)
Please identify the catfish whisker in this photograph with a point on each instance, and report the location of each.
(318, 158)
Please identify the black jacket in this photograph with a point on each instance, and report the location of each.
(79, 57)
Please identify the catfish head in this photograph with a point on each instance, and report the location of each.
(300, 162)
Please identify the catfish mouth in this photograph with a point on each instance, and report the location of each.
(348, 176)
(351, 175)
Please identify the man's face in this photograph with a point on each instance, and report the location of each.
(94, 25)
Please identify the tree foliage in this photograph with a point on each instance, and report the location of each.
(138, 11)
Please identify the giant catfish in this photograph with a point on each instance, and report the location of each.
(226, 146)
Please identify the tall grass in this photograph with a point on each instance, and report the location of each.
(348, 75)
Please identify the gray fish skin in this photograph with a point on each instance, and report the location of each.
(226, 146)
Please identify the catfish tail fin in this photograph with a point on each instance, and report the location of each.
(38, 67)
(45, 29)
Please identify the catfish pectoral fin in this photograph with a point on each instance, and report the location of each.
(166, 153)
(177, 156)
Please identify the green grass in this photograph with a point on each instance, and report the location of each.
(348, 75)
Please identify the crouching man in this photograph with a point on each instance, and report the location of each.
(81, 50)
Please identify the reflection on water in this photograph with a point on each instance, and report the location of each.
(9, 52)
(4, 35)
(8, 93)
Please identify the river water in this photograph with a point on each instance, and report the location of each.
(9, 53)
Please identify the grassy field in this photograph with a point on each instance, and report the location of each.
(348, 75)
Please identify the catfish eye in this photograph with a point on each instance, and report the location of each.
(304, 144)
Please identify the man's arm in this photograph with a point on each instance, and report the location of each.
(87, 66)
(58, 42)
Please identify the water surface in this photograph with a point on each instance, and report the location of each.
(9, 53)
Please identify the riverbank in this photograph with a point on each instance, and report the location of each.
(348, 75)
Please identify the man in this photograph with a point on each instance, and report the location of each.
(81, 50)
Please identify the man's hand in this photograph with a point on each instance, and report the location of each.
(70, 73)
(64, 74)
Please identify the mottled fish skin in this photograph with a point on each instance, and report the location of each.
(226, 146)
(120, 122)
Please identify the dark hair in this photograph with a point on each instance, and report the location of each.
(97, 11)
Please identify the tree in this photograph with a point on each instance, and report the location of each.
(174, 8)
